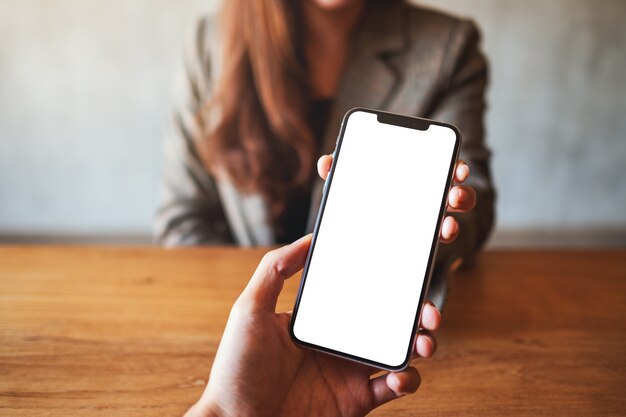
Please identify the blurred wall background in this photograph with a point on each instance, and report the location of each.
(85, 88)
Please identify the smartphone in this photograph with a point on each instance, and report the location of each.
(375, 238)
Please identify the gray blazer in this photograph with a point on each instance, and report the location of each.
(405, 59)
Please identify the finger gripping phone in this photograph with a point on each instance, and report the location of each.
(375, 239)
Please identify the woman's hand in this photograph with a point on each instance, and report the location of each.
(461, 198)
(259, 371)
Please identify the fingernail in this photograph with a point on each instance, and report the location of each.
(460, 196)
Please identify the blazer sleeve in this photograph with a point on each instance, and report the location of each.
(463, 81)
(190, 211)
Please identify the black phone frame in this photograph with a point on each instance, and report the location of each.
(397, 120)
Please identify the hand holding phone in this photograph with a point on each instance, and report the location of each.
(376, 236)
(259, 371)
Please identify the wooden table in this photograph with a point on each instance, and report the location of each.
(132, 332)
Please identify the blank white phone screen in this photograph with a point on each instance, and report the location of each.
(362, 288)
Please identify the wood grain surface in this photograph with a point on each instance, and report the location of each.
(133, 331)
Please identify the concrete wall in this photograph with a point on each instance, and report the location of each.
(84, 94)
(85, 87)
(557, 122)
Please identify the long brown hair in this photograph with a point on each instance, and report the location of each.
(261, 138)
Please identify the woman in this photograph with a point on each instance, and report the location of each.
(263, 93)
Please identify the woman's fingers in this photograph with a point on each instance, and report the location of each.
(461, 198)
(461, 172)
(431, 317)
(449, 230)
(390, 386)
(425, 344)
(323, 165)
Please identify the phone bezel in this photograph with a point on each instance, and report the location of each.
(397, 120)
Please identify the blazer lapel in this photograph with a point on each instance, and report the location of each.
(370, 79)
